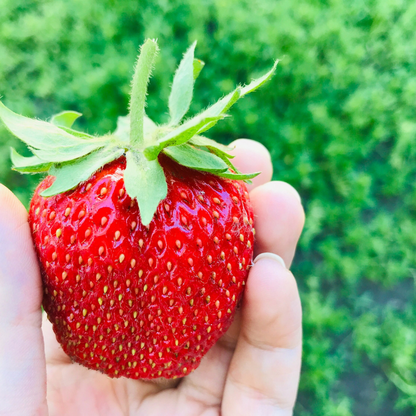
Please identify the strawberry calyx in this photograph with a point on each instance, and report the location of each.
(73, 156)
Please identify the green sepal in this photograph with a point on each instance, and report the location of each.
(141, 77)
(195, 158)
(238, 176)
(182, 87)
(36, 133)
(149, 126)
(259, 81)
(211, 145)
(222, 152)
(73, 156)
(69, 175)
(76, 133)
(198, 66)
(233, 172)
(122, 131)
(31, 164)
(223, 105)
(65, 154)
(180, 135)
(145, 181)
(220, 108)
(222, 155)
(65, 118)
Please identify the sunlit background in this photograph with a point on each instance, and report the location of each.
(339, 119)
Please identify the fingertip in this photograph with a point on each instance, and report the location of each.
(19, 271)
(267, 358)
(287, 189)
(270, 280)
(22, 356)
(272, 313)
(250, 157)
(282, 190)
(279, 219)
(12, 210)
(271, 256)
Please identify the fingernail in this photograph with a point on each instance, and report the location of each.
(270, 256)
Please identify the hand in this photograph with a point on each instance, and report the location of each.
(253, 370)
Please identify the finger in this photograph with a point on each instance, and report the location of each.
(206, 384)
(278, 218)
(229, 339)
(22, 359)
(250, 157)
(57, 358)
(264, 372)
(53, 351)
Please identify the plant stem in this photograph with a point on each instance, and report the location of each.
(141, 78)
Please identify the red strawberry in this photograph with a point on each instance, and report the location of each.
(163, 294)
(144, 236)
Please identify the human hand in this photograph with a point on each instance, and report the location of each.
(252, 370)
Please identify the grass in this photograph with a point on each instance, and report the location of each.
(338, 119)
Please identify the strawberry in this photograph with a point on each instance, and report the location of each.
(162, 294)
(144, 236)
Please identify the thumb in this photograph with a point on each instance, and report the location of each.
(22, 357)
(264, 372)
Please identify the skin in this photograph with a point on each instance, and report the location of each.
(253, 370)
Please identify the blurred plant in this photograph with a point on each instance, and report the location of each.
(340, 123)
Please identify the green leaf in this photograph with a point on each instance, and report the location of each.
(179, 135)
(123, 128)
(65, 154)
(65, 118)
(258, 82)
(222, 155)
(222, 152)
(69, 175)
(238, 176)
(77, 133)
(149, 126)
(141, 77)
(197, 159)
(220, 107)
(223, 105)
(198, 65)
(182, 87)
(216, 150)
(145, 181)
(211, 144)
(36, 133)
(31, 164)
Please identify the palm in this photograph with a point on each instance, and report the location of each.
(75, 390)
(253, 369)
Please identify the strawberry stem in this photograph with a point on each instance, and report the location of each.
(138, 91)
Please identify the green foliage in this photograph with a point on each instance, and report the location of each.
(338, 119)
